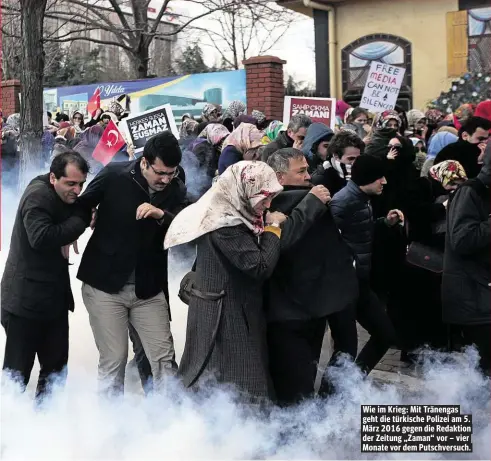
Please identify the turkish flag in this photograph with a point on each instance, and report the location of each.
(94, 102)
(109, 144)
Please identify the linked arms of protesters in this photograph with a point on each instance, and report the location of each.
(43, 232)
(300, 220)
(468, 232)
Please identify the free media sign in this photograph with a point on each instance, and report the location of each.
(382, 88)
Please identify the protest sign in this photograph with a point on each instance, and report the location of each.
(145, 125)
(382, 88)
(321, 110)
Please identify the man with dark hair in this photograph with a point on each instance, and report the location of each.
(124, 267)
(314, 280)
(295, 133)
(466, 267)
(468, 150)
(36, 294)
(344, 148)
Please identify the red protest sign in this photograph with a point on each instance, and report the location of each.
(320, 110)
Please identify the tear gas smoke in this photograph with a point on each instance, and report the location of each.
(76, 424)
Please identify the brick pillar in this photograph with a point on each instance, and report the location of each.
(264, 83)
(10, 97)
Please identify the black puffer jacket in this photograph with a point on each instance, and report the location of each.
(353, 215)
(466, 266)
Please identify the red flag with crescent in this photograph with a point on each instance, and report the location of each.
(109, 144)
(94, 102)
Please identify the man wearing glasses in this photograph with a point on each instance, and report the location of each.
(124, 267)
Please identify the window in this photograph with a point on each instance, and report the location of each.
(358, 55)
(479, 30)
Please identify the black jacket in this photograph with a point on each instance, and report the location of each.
(466, 265)
(463, 152)
(35, 282)
(353, 215)
(282, 141)
(120, 244)
(328, 177)
(315, 276)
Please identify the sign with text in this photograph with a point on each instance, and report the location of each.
(320, 110)
(145, 125)
(382, 88)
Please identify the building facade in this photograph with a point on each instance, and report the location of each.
(435, 40)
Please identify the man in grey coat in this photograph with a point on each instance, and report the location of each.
(466, 266)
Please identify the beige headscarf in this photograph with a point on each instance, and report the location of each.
(229, 202)
(245, 137)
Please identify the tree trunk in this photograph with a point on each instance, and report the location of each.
(31, 121)
(139, 62)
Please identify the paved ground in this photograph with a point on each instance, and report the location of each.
(389, 370)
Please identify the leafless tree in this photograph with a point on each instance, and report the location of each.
(250, 27)
(32, 65)
(126, 24)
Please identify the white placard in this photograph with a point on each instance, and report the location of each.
(382, 88)
(141, 127)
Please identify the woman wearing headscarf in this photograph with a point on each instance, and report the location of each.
(261, 121)
(236, 254)
(272, 131)
(420, 151)
(438, 142)
(242, 144)
(188, 132)
(65, 139)
(416, 123)
(419, 319)
(356, 121)
(200, 160)
(235, 109)
(211, 112)
(385, 126)
(462, 114)
(244, 118)
(433, 118)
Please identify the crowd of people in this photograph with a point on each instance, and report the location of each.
(295, 228)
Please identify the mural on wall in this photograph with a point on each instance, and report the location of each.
(186, 94)
(479, 24)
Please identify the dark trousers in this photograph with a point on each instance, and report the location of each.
(294, 350)
(372, 316)
(345, 341)
(142, 363)
(480, 337)
(28, 337)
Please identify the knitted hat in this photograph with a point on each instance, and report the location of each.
(367, 169)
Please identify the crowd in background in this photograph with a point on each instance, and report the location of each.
(383, 220)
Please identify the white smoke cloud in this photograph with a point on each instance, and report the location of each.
(77, 424)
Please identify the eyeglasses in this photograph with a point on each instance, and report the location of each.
(164, 173)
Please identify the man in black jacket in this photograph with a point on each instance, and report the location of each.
(36, 294)
(124, 267)
(313, 281)
(295, 133)
(468, 149)
(353, 214)
(466, 268)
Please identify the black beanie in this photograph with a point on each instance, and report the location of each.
(367, 169)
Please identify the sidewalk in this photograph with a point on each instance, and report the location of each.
(390, 370)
